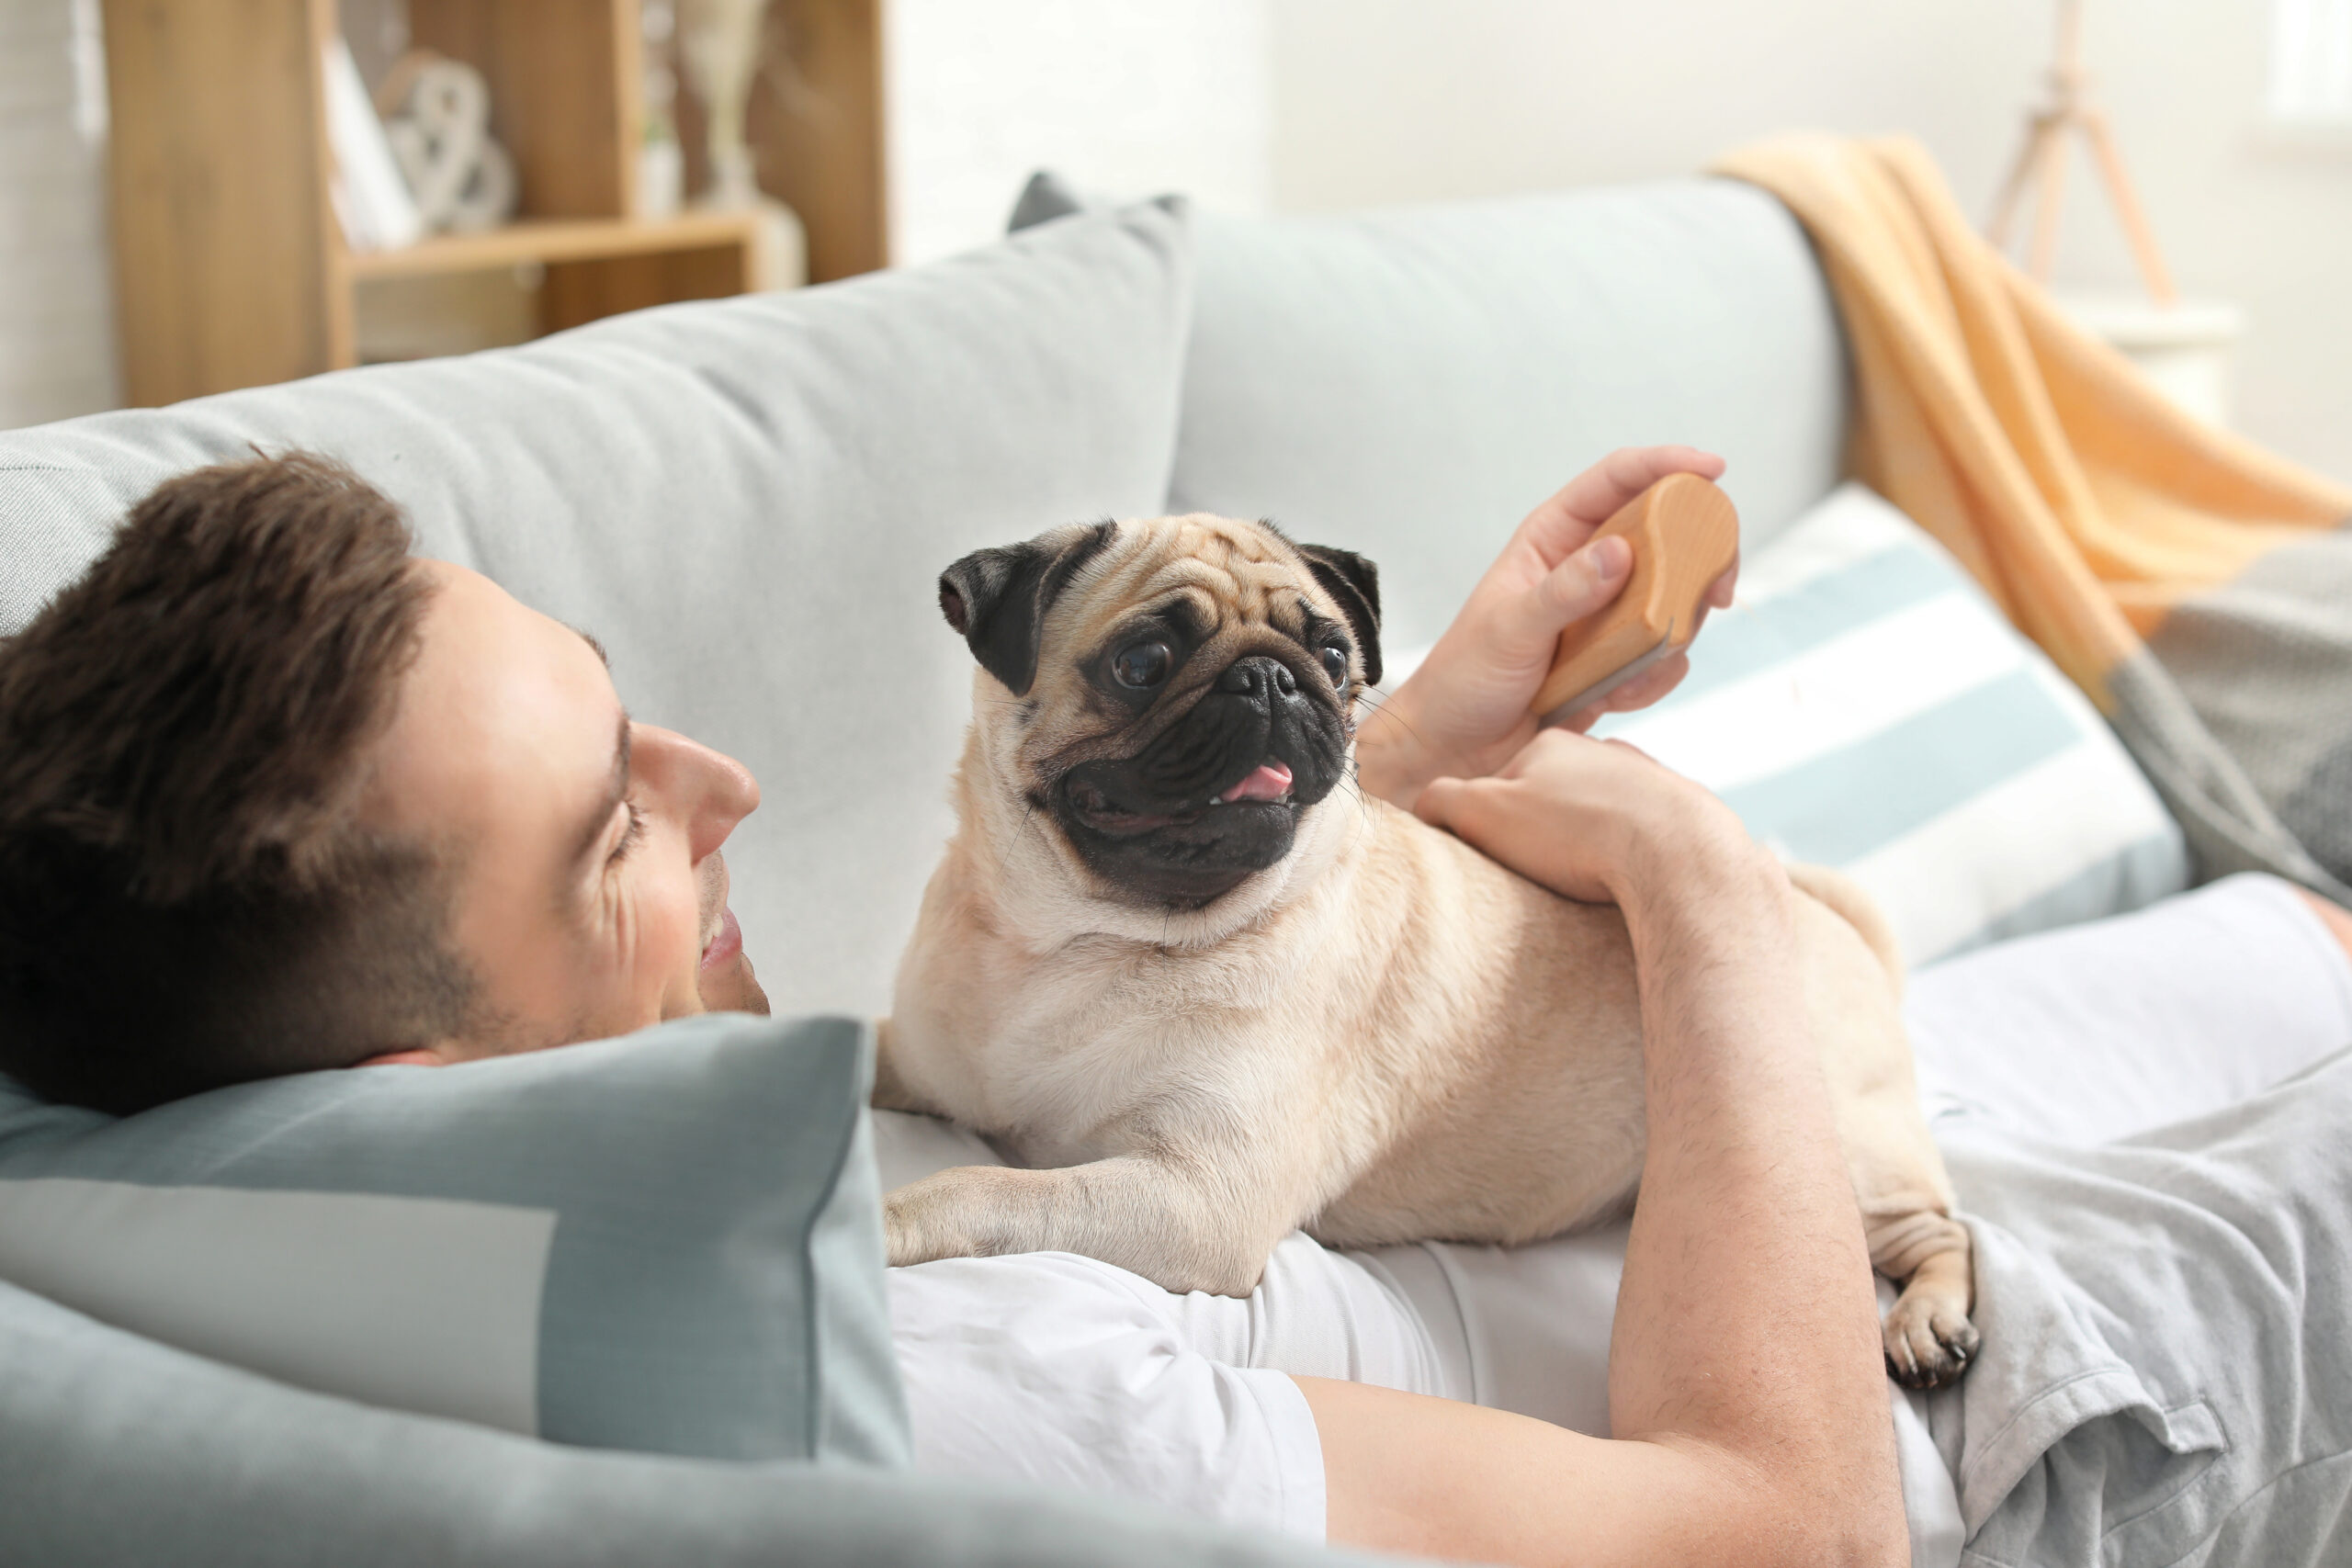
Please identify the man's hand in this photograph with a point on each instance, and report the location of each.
(1464, 712)
(1596, 820)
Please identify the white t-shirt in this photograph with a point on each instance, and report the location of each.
(1064, 1370)
(1058, 1369)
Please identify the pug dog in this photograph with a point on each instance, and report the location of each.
(1207, 992)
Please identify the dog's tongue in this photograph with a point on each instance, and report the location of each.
(1271, 782)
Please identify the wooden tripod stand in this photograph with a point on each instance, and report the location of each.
(2043, 158)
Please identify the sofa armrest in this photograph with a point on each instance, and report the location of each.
(115, 1449)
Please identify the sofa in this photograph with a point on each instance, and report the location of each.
(748, 502)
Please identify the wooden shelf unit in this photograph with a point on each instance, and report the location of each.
(816, 126)
(231, 269)
(593, 266)
(555, 239)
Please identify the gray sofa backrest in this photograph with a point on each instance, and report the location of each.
(1408, 384)
(748, 502)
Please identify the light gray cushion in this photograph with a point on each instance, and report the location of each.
(748, 502)
(1408, 384)
(669, 1243)
(115, 1450)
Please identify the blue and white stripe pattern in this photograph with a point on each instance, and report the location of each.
(1864, 705)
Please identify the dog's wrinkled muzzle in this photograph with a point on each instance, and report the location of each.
(1217, 795)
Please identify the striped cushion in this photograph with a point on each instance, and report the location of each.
(1865, 706)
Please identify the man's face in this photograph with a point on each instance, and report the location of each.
(590, 896)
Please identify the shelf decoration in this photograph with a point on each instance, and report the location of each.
(438, 121)
(720, 43)
(371, 200)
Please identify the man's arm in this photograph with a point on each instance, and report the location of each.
(2334, 917)
(1746, 1387)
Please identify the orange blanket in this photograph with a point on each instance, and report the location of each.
(2194, 585)
(2083, 500)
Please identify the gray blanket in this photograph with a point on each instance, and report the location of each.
(2167, 1367)
(2240, 711)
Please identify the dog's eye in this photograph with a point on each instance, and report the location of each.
(1335, 664)
(1142, 665)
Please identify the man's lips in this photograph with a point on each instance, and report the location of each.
(725, 942)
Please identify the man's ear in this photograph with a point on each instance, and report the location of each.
(1354, 583)
(998, 598)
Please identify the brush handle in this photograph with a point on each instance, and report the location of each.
(1685, 535)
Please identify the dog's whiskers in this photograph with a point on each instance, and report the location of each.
(1383, 711)
(1363, 807)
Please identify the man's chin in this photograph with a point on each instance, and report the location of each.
(732, 987)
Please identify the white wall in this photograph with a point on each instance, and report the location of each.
(1403, 100)
(1251, 105)
(56, 312)
(1132, 97)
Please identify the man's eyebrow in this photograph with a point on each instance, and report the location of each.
(590, 639)
(616, 791)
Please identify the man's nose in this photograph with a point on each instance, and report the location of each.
(707, 790)
(1261, 676)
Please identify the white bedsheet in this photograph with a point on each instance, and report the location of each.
(2098, 1032)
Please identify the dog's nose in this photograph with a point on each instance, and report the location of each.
(1258, 676)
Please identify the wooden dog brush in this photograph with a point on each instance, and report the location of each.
(1685, 534)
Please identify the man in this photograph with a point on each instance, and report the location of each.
(275, 796)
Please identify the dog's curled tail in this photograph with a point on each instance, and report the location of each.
(1856, 908)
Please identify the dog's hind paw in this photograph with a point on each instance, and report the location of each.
(1928, 1343)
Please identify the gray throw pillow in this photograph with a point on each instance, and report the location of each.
(670, 1242)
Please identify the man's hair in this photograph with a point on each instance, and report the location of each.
(187, 899)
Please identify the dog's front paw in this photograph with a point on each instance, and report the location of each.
(901, 1233)
(905, 1233)
(1929, 1341)
(930, 1219)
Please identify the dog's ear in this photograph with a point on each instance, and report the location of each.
(998, 598)
(1354, 583)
